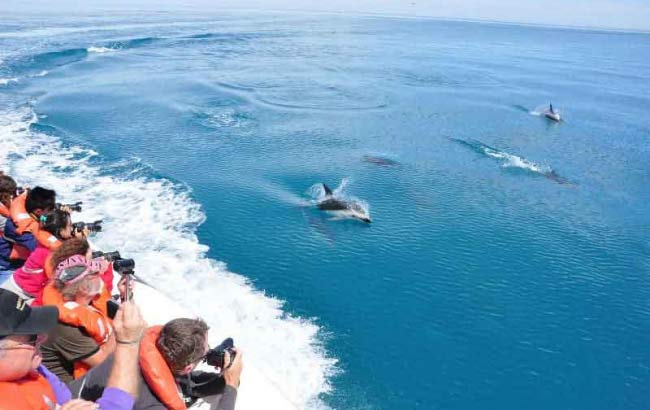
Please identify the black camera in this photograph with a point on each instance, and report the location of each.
(124, 266)
(76, 207)
(19, 190)
(109, 256)
(92, 226)
(215, 356)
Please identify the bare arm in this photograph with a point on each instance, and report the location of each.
(129, 327)
(101, 355)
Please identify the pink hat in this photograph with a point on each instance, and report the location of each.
(75, 268)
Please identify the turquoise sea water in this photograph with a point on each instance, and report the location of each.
(508, 262)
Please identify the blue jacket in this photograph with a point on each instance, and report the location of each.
(10, 238)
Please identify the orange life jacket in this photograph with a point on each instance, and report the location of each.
(17, 251)
(93, 320)
(157, 373)
(4, 211)
(26, 223)
(29, 393)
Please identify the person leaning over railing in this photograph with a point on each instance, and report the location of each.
(25, 384)
(84, 337)
(29, 280)
(14, 248)
(167, 380)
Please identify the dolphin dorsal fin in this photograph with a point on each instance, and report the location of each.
(327, 189)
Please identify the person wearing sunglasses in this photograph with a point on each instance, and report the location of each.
(25, 384)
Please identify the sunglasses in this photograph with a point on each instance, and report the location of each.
(31, 342)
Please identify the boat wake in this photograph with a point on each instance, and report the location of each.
(32, 65)
(154, 221)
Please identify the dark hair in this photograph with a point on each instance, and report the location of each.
(7, 188)
(69, 248)
(40, 198)
(55, 221)
(182, 342)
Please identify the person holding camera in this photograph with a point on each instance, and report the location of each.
(25, 384)
(29, 280)
(80, 246)
(81, 288)
(83, 338)
(168, 357)
(14, 247)
(26, 211)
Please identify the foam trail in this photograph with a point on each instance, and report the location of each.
(508, 160)
(542, 109)
(514, 161)
(100, 50)
(153, 221)
(7, 81)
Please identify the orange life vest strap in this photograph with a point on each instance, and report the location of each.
(94, 320)
(26, 223)
(23, 220)
(157, 373)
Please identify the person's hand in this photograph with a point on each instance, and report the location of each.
(82, 233)
(129, 324)
(232, 374)
(78, 404)
(121, 286)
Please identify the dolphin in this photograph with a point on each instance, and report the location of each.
(552, 114)
(380, 161)
(351, 208)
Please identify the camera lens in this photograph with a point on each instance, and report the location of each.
(123, 265)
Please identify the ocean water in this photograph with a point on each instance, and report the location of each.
(508, 262)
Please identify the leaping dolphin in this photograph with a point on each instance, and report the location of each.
(351, 208)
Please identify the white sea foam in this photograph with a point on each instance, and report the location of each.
(514, 161)
(100, 50)
(542, 110)
(41, 73)
(154, 222)
(6, 81)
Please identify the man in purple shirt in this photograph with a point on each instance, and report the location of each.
(27, 385)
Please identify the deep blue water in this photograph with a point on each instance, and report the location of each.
(508, 262)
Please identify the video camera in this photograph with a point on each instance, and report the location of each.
(109, 256)
(91, 226)
(216, 356)
(76, 207)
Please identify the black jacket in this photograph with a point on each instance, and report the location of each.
(195, 385)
